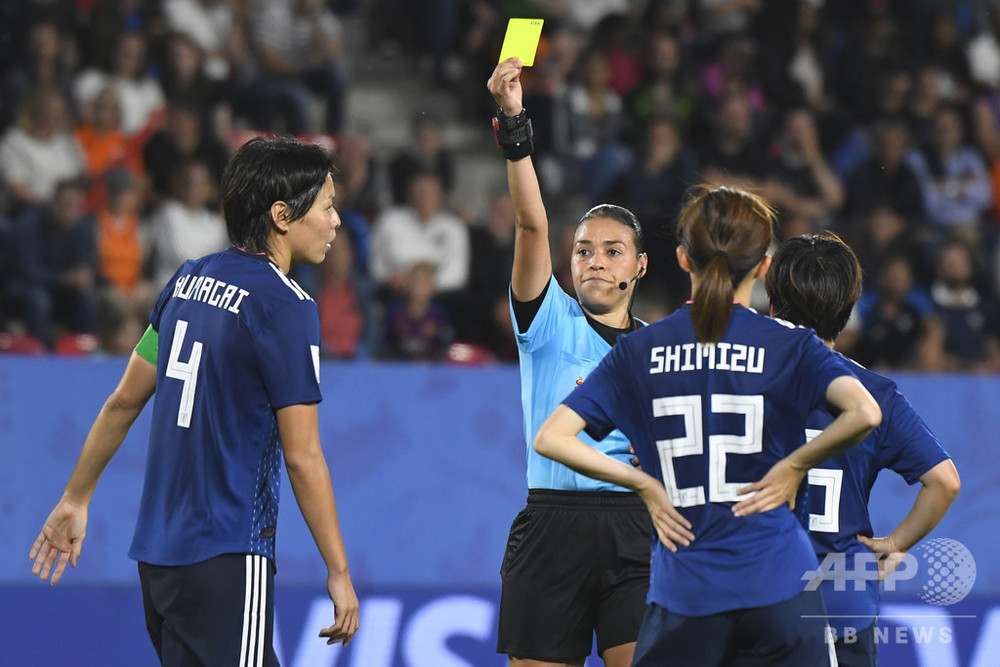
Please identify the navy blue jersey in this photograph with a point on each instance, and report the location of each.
(707, 420)
(837, 506)
(237, 340)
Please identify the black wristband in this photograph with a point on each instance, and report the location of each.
(514, 134)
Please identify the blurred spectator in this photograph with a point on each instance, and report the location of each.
(184, 227)
(417, 327)
(924, 104)
(298, 44)
(345, 297)
(662, 91)
(426, 153)
(210, 26)
(884, 234)
(615, 35)
(492, 256)
(120, 242)
(139, 94)
(48, 61)
(652, 187)
(893, 330)
(56, 265)
(733, 66)
(953, 177)
(794, 66)
(731, 153)
(361, 185)
(104, 21)
(986, 130)
(106, 147)
(806, 185)
(885, 178)
(596, 125)
(423, 231)
(119, 327)
(181, 139)
(864, 69)
(983, 50)
(718, 17)
(39, 151)
(944, 50)
(184, 76)
(968, 332)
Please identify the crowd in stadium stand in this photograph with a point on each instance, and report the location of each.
(876, 119)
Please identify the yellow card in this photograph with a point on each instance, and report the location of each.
(521, 40)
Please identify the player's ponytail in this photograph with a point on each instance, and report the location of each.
(725, 233)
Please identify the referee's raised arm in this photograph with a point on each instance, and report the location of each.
(532, 257)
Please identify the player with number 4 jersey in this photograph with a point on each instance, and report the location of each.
(814, 281)
(713, 398)
(232, 352)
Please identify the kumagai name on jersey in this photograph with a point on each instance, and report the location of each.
(238, 340)
(209, 290)
(706, 432)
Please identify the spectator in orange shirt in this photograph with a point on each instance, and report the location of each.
(106, 147)
(120, 247)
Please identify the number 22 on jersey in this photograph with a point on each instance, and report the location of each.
(185, 371)
(692, 443)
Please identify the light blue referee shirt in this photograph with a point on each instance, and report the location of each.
(557, 352)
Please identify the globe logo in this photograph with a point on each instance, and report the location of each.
(948, 569)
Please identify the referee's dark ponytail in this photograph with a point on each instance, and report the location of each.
(725, 233)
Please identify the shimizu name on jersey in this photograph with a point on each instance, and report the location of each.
(713, 356)
(211, 291)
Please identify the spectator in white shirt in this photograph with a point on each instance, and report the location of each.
(184, 227)
(421, 232)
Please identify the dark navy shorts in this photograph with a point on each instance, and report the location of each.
(858, 650)
(577, 563)
(217, 612)
(792, 633)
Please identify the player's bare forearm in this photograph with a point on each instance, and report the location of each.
(859, 415)
(532, 254)
(939, 488)
(110, 427)
(558, 439)
(310, 479)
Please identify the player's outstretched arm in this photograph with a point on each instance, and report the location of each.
(532, 257)
(62, 535)
(557, 439)
(310, 478)
(939, 488)
(859, 414)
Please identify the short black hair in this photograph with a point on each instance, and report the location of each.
(263, 171)
(618, 214)
(814, 281)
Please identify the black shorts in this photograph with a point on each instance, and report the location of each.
(792, 633)
(217, 612)
(576, 562)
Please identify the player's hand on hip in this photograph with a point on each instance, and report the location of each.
(671, 526)
(505, 86)
(345, 610)
(60, 541)
(778, 487)
(890, 556)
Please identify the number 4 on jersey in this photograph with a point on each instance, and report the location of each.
(185, 371)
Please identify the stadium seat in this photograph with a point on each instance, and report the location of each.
(468, 354)
(20, 344)
(76, 345)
